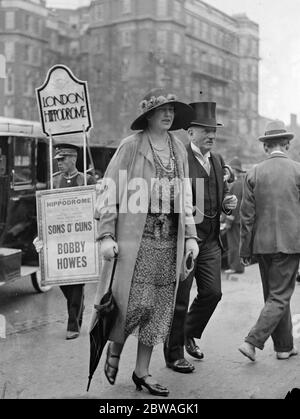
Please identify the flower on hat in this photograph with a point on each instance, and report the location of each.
(146, 105)
(171, 97)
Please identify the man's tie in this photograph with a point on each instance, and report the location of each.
(204, 161)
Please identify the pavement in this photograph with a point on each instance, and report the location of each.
(36, 362)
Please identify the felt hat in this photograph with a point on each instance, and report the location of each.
(156, 98)
(276, 130)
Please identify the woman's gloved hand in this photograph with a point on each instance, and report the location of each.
(108, 248)
(191, 246)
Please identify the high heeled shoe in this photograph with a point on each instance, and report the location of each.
(155, 389)
(110, 370)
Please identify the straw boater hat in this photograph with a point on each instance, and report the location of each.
(158, 97)
(204, 115)
(276, 130)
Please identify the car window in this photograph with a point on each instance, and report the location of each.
(23, 164)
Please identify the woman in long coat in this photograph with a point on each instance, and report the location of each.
(145, 217)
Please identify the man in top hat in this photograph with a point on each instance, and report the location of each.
(233, 220)
(68, 176)
(270, 229)
(203, 164)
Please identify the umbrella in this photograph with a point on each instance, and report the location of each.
(106, 315)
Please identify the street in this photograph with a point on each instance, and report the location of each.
(37, 362)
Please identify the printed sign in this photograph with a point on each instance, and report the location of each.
(2, 67)
(67, 229)
(63, 103)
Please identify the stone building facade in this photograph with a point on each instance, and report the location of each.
(125, 47)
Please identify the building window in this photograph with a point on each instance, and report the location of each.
(204, 31)
(177, 43)
(162, 40)
(10, 82)
(99, 44)
(27, 84)
(177, 10)
(9, 51)
(126, 6)
(176, 79)
(189, 23)
(26, 53)
(162, 8)
(9, 109)
(98, 76)
(188, 54)
(99, 12)
(36, 59)
(10, 20)
(27, 22)
(196, 90)
(196, 55)
(254, 102)
(125, 68)
(126, 38)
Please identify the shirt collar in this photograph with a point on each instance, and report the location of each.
(198, 152)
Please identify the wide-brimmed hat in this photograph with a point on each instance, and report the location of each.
(158, 97)
(62, 150)
(204, 115)
(237, 165)
(276, 130)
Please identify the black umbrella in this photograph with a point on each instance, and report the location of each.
(104, 321)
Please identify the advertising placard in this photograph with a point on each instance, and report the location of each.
(63, 103)
(68, 231)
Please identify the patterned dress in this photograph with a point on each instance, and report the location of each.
(152, 293)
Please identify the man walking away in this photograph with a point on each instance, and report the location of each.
(270, 229)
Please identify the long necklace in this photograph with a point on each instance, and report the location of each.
(160, 162)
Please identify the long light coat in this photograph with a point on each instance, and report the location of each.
(134, 155)
(270, 210)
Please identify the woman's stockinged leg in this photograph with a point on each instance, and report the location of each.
(141, 376)
(143, 358)
(115, 353)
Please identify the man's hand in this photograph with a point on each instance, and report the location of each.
(246, 261)
(108, 248)
(38, 244)
(230, 202)
(191, 246)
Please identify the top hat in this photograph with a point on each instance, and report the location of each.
(64, 149)
(204, 115)
(275, 130)
(237, 165)
(156, 98)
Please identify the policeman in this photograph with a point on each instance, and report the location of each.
(69, 176)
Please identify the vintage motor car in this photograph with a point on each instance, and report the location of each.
(24, 168)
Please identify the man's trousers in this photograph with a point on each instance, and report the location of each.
(233, 242)
(207, 273)
(75, 304)
(278, 274)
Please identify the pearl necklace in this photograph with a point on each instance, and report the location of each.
(171, 162)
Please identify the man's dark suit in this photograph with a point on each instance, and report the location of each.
(208, 265)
